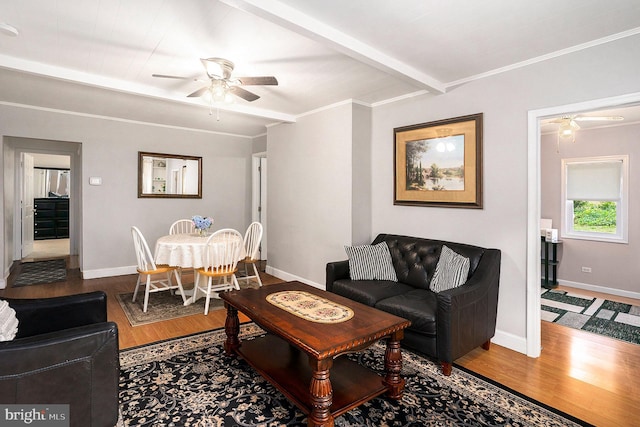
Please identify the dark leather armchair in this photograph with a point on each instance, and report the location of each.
(65, 352)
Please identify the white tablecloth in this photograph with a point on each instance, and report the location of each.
(183, 250)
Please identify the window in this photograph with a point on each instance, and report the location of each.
(595, 198)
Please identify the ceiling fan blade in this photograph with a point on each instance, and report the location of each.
(243, 93)
(598, 118)
(199, 92)
(164, 76)
(258, 81)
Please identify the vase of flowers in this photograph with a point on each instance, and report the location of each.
(201, 224)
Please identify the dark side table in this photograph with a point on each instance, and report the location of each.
(550, 263)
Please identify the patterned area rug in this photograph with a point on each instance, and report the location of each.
(190, 382)
(39, 272)
(597, 315)
(165, 306)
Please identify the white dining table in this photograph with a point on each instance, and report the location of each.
(185, 251)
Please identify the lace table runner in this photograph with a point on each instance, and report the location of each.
(310, 307)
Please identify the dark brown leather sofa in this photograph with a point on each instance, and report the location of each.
(65, 352)
(444, 325)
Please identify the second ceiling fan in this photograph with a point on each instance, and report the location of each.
(222, 85)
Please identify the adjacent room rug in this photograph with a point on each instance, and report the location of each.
(190, 382)
(39, 272)
(166, 306)
(597, 315)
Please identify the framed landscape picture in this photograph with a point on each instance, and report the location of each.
(439, 163)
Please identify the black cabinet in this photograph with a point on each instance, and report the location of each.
(50, 218)
(549, 262)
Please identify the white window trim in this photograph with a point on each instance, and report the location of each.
(622, 221)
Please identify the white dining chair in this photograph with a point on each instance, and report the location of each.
(182, 226)
(157, 277)
(220, 262)
(252, 239)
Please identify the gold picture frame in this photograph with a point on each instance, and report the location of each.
(439, 163)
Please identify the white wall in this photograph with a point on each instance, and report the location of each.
(613, 267)
(309, 192)
(110, 150)
(505, 100)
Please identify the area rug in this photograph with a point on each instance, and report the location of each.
(597, 315)
(190, 382)
(39, 272)
(165, 306)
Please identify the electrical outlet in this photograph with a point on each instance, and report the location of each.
(586, 269)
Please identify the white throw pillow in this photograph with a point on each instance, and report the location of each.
(452, 271)
(371, 262)
(8, 322)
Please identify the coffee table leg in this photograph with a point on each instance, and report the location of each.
(321, 394)
(393, 366)
(231, 328)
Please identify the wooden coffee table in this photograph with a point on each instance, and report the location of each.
(321, 384)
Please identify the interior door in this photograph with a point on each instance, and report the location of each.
(263, 206)
(27, 204)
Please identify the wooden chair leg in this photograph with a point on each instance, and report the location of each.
(446, 368)
(487, 345)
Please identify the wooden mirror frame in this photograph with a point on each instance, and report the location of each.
(165, 157)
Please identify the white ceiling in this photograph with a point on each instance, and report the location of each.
(321, 51)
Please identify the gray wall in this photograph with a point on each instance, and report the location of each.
(312, 168)
(110, 150)
(614, 265)
(505, 99)
(309, 192)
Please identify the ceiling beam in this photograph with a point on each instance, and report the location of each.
(300, 23)
(74, 76)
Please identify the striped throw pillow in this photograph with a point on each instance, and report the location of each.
(452, 271)
(371, 262)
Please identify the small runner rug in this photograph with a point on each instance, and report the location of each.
(597, 315)
(189, 381)
(39, 272)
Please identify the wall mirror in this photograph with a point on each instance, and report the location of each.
(51, 182)
(169, 176)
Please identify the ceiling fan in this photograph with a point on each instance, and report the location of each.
(569, 126)
(221, 85)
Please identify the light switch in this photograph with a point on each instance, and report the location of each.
(95, 180)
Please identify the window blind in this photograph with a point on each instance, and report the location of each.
(595, 181)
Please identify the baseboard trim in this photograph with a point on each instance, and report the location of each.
(108, 272)
(290, 277)
(510, 341)
(601, 289)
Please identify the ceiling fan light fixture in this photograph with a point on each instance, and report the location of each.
(567, 129)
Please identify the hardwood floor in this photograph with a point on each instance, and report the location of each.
(586, 375)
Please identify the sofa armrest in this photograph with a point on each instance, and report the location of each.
(43, 315)
(467, 314)
(336, 270)
(78, 366)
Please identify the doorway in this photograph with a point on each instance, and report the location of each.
(47, 217)
(533, 343)
(259, 198)
(58, 164)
